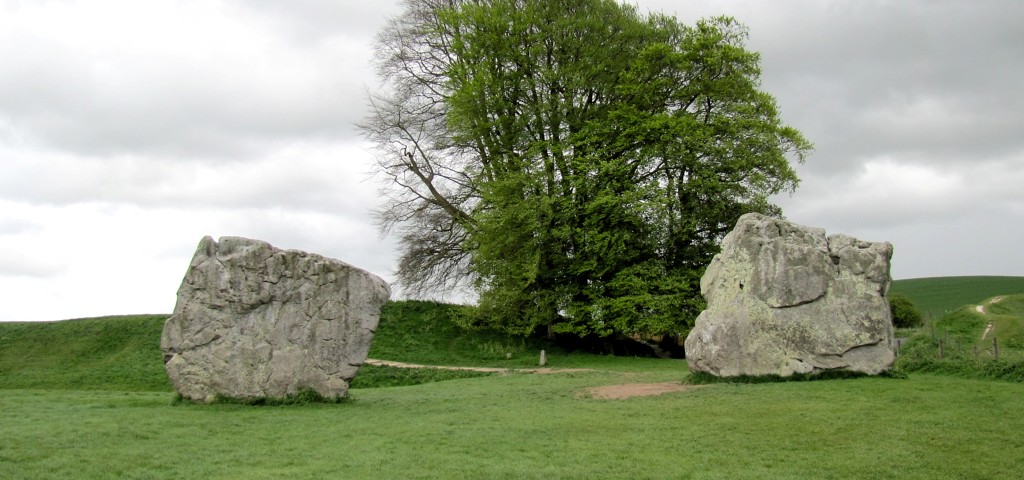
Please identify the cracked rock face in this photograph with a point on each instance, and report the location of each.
(784, 298)
(254, 321)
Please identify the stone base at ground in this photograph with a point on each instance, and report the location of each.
(254, 321)
(785, 299)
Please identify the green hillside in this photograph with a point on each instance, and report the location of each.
(968, 342)
(940, 295)
(1007, 317)
(123, 353)
(108, 353)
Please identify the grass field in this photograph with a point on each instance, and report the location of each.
(531, 426)
(89, 399)
(940, 295)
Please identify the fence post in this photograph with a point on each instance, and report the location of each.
(995, 347)
(940, 349)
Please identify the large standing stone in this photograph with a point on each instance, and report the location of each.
(784, 299)
(254, 321)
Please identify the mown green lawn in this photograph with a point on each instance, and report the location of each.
(89, 399)
(532, 426)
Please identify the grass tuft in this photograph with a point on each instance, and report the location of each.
(704, 378)
(306, 396)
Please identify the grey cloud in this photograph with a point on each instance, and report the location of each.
(16, 226)
(296, 179)
(183, 118)
(186, 105)
(14, 264)
(960, 246)
(892, 196)
(315, 21)
(864, 78)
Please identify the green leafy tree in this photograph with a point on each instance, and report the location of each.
(574, 161)
(904, 313)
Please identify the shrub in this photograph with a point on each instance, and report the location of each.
(904, 313)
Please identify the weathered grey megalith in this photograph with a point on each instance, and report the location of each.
(254, 321)
(784, 299)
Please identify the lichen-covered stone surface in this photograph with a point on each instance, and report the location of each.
(253, 321)
(784, 299)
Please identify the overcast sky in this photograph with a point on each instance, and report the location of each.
(129, 130)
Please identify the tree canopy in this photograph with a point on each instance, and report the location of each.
(574, 161)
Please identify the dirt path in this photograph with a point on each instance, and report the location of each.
(389, 363)
(988, 329)
(604, 392)
(629, 390)
(981, 310)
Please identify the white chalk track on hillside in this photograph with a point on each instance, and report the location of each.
(981, 309)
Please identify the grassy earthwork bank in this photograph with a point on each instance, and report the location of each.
(109, 353)
(88, 399)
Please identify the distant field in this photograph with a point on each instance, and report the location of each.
(940, 295)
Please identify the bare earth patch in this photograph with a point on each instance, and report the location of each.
(629, 390)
